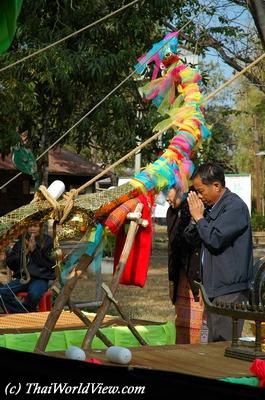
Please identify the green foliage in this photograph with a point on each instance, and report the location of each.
(258, 222)
(219, 147)
(50, 92)
(53, 90)
(248, 128)
(109, 246)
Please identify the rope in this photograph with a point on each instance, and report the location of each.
(24, 262)
(156, 135)
(68, 36)
(152, 138)
(73, 126)
(237, 75)
(57, 253)
(88, 113)
(43, 193)
(2, 303)
(70, 197)
(58, 214)
(17, 299)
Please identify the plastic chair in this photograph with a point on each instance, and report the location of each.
(45, 303)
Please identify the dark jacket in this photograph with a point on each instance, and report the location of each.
(181, 254)
(227, 247)
(40, 261)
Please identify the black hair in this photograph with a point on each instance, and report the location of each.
(41, 234)
(177, 189)
(210, 173)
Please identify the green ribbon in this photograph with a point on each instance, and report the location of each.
(9, 12)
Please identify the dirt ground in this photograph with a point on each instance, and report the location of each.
(149, 303)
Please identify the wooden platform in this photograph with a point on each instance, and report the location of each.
(34, 322)
(206, 360)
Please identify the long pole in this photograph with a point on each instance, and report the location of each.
(157, 134)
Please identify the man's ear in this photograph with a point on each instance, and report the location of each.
(217, 186)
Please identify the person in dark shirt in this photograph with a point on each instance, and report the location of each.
(227, 249)
(183, 270)
(32, 275)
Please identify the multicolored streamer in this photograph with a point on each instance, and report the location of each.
(177, 96)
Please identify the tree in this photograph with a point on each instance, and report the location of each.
(247, 124)
(257, 10)
(228, 28)
(54, 89)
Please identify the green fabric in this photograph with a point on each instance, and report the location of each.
(247, 380)
(119, 335)
(24, 160)
(9, 12)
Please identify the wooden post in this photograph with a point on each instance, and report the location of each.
(88, 323)
(123, 315)
(60, 302)
(97, 321)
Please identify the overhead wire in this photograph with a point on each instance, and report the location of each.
(157, 134)
(68, 36)
(89, 112)
(98, 104)
(80, 120)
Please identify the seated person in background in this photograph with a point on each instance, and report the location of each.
(183, 270)
(40, 266)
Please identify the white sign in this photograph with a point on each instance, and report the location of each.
(122, 181)
(160, 210)
(241, 185)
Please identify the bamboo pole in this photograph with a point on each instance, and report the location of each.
(118, 162)
(157, 134)
(237, 75)
(133, 227)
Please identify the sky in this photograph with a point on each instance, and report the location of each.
(237, 17)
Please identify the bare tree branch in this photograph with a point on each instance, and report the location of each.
(241, 3)
(257, 10)
(208, 40)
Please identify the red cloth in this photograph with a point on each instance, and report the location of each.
(258, 369)
(135, 271)
(93, 361)
(118, 216)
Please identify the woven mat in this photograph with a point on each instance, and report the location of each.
(33, 322)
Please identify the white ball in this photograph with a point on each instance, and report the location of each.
(75, 353)
(118, 354)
